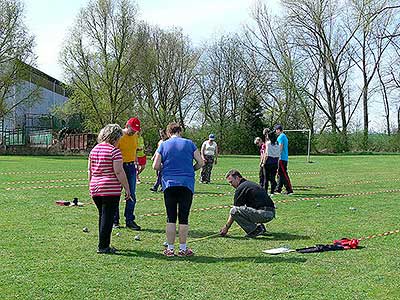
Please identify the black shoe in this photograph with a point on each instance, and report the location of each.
(108, 250)
(256, 232)
(153, 189)
(132, 225)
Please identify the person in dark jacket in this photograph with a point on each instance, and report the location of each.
(251, 206)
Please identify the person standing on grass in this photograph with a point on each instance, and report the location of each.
(261, 145)
(284, 179)
(141, 156)
(270, 161)
(251, 206)
(209, 154)
(163, 137)
(176, 156)
(128, 145)
(106, 175)
(265, 133)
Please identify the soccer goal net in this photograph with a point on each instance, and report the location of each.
(299, 141)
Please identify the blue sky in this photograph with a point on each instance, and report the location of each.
(50, 20)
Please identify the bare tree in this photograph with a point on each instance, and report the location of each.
(222, 84)
(279, 69)
(385, 88)
(99, 58)
(376, 19)
(322, 29)
(395, 77)
(16, 50)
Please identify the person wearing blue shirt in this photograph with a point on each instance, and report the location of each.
(175, 156)
(284, 179)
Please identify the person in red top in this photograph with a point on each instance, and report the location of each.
(106, 175)
(259, 142)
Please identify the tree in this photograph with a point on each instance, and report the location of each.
(395, 77)
(277, 68)
(166, 76)
(221, 85)
(16, 51)
(99, 60)
(376, 19)
(323, 31)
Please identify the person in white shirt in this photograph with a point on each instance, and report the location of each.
(270, 161)
(209, 154)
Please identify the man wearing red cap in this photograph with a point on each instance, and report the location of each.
(128, 145)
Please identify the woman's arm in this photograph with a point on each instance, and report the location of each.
(199, 160)
(203, 148)
(120, 173)
(216, 154)
(157, 161)
(265, 156)
(89, 169)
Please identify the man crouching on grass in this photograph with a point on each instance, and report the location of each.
(252, 206)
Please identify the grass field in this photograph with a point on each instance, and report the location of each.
(44, 254)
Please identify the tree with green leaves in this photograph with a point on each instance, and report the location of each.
(166, 75)
(100, 59)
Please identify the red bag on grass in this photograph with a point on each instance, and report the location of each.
(347, 243)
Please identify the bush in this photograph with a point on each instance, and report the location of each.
(331, 143)
(298, 142)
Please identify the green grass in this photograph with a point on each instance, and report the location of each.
(45, 255)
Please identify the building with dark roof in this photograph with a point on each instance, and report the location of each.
(47, 91)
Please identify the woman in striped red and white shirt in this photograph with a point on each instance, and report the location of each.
(106, 175)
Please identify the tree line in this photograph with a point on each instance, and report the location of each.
(319, 64)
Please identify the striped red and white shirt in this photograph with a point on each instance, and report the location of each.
(104, 182)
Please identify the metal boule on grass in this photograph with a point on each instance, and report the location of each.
(352, 208)
(118, 234)
(137, 237)
(317, 205)
(85, 229)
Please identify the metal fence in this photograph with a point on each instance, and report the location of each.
(79, 141)
(39, 131)
(16, 137)
(40, 138)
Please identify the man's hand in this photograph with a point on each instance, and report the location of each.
(223, 231)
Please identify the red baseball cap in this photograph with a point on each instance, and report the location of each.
(134, 123)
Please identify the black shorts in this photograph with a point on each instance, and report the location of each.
(178, 200)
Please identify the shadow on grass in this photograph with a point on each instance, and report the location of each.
(273, 236)
(193, 233)
(209, 259)
(305, 195)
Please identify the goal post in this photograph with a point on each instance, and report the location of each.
(308, 142)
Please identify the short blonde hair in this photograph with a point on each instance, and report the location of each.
(257, 140)
(111, 133)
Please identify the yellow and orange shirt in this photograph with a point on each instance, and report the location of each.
(128, 145)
